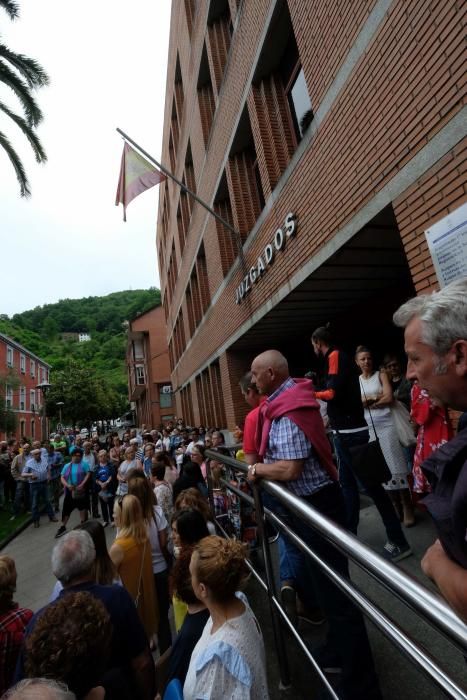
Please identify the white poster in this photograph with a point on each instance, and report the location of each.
(447, 242)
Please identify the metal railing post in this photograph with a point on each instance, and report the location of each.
(284, 670)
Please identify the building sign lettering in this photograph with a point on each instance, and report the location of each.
(266, 258)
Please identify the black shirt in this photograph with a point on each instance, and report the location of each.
(182, 648)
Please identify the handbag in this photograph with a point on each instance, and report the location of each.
(368, 461)
(401, 419)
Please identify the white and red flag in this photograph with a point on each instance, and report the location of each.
(136, 175)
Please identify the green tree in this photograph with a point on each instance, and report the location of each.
(22, 75)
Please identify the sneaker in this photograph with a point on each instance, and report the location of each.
(61, 531)
(53, 520)
(312, 617)
(394, 552)
(105, 524)
(289, 603)
(36, 523)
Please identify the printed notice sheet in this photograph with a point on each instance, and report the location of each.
(447, 242)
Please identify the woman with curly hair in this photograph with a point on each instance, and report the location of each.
(70, 642)
(131, 555)
(13, 622)
(229, 659)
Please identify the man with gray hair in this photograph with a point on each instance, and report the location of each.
(73, 560)
(39, 689)
(436, 346)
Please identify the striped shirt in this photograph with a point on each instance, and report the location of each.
(288, 442)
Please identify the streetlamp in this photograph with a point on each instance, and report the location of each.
(60, 404)
(43, 388)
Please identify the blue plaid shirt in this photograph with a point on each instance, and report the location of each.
(287, 441)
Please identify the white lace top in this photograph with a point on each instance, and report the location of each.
(229, 664)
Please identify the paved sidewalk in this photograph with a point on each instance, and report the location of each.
(32, 551)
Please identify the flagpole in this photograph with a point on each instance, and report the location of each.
(184, 188)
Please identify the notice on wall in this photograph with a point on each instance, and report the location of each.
(447, 242)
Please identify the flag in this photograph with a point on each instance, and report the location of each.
(136, 176)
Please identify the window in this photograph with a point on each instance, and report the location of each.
(22, 364)
(8, 396)
(299, 102)
(243, 178)
(32, 399)
(165, 396)
(140, 374)
(279, 102)
(33, 368)
(22, 428)
(22, 399)
(228, 247)
(33, 429)
(9, 357)
(190, 10)
(219, 38)
(207, 103)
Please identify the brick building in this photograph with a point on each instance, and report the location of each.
(331, 138)
(147, 359)
(22, 395)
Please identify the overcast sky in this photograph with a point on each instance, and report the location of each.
(107, 65)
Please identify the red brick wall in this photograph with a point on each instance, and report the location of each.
(407, 86)
(442, 189)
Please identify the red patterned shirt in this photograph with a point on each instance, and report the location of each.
(12, 626)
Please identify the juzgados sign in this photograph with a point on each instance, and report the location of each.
(266, 258)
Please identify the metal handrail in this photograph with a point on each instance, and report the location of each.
(428, 605)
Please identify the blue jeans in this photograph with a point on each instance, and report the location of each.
(347, 636)
(291, 559)
(342, 443)
(40, 489)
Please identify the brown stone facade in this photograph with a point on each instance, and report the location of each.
(382, 159)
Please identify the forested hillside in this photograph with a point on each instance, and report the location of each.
(102, 359)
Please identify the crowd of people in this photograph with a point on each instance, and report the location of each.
(110, 608)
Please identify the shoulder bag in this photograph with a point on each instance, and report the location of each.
(368, 460)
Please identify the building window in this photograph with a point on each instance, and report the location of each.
(206, 100)
(22, 399)
(33, 368)
(8, 396)
(22, 364)
(299, 102)
(218, 38)
(9, 357)
(22, 428)
(140, 374)
(33, 429)
(165, 396)
(190, 10)
(243, 178)
(32, 399)
(279, 103)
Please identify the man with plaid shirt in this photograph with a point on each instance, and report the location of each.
(292, 442)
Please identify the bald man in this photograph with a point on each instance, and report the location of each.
(294, 449)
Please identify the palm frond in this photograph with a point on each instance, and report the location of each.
(29, 68)
(23, 93)
(11, 8)
(33, 139)
(17, 165)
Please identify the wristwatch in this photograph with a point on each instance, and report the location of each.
(252, 469)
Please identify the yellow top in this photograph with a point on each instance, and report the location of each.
(129, 571)
(180, 611)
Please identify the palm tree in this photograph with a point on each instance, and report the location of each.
(22, 75)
